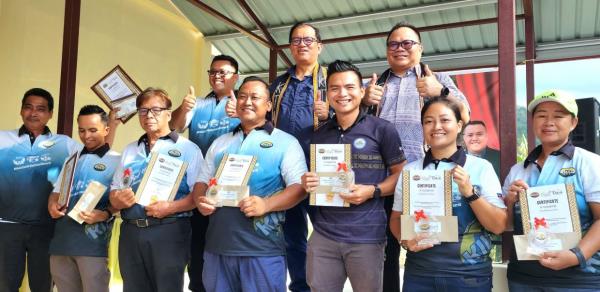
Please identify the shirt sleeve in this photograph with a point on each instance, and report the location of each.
(491, 190)
(510, 178)
(391, 146)
(208, 169)
(445, 80)
(293, 165)
(117, 181)
(194, 166)
(590, 177)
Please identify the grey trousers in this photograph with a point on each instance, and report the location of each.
(329, 263)
(79, 273)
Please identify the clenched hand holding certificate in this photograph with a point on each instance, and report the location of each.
(331, 162)
(230, 184)
(550, 220)
(427, 206)
(161, 179)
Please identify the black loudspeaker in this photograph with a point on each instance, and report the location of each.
(587, 133)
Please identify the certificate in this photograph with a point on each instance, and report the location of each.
(554, 207)
(117, 90)
(66, 181)
(230, 184)
(161, 179)
(427, 195)
(88, 201)
(331, 162)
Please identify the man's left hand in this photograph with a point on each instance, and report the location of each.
(158, 209)
(253, 206)
(358, 194)
(428, 85)
(558, 260)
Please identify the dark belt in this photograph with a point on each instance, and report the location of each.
(147, 222)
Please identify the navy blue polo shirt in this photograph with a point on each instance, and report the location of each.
(296, 108)
(375, 147)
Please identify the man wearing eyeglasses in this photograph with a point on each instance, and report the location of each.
(299, 108)
(245, 247)
(206, 119)
(397, 96)
(154, 244)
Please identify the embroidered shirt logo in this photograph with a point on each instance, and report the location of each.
(360, 143)
(174, 153)
(567, 171)
(100, 167)
(266, 144)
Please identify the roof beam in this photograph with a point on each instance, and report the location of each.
(393, 13)
(529, 65)
(421, 29)
(250, 13)
(68, 72)
(216, 14)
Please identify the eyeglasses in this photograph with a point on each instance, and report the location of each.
(223, 73)
(254, 99)
(306, 40)
(155, 111)
(405, 44)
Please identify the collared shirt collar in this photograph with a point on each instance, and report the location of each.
(568, 150)
(267, 126)
(172, 135)
(459, 157)
(333, 123)
(23, 130)
(100, 151)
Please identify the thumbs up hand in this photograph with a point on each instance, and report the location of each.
(373, 93)
(321, 108)
(428, 85)
(189, 100)
(231, 104)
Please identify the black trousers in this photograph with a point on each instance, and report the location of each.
(21, 242)
(391, 265)
(196, 264)
(153, 258)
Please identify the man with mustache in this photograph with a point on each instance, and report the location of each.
(32, 158)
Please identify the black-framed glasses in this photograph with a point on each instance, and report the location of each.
(223, 73)
(155, 111)
(306, 40)
(405, 44)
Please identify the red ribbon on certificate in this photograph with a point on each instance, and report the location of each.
(540, 222)
(342, 166)
(212, 182)
(420, 215)
(127, 178)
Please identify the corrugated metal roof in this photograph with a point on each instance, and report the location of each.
(564, 29)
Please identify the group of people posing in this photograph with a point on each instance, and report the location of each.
(407, 118)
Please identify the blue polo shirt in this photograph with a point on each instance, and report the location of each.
(28, 168)
(136, 156)
(280, 163)
(470, 255)
(208, 120)
(74, 239)
(296, 108)
(568, 165)
(375, 147)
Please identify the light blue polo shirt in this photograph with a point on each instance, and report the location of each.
(208, 120)
(74, 239)
(28, 168)
(136, 156)
(568, 165)
(280, 163)
(470, 255)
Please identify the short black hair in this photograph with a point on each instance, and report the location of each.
(401, 25)
(339, 66)
(43, 93)
(255, 78)
(452, 105)
(299, 24)
(473, 123)
(227, 58)
(92, 109)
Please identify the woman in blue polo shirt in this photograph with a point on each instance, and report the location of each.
(453, 266)
(557, 161)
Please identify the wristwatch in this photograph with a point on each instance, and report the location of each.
(476, 195)
(376, 192)
(445, 92)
